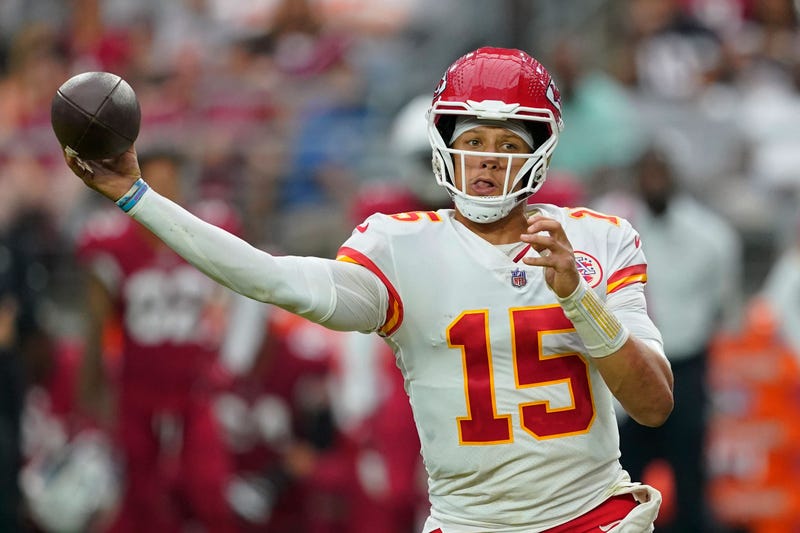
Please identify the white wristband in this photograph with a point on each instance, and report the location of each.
(601, 332)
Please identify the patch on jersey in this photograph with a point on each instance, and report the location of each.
(519, 278)
(589, 268)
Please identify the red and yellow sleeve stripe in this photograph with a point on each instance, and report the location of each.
(626, 276)
(394, 314)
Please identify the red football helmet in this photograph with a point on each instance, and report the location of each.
(495, 84)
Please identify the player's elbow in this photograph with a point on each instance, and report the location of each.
(657, 411)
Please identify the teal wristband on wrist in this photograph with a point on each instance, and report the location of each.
(132, 197)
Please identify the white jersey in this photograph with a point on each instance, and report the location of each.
(517, 427)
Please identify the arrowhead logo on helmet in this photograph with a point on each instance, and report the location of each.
(553, 95)
(437, 92)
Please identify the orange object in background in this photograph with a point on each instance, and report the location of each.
(754, 438)
(659, 475)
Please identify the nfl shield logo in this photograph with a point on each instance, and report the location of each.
(518, 278)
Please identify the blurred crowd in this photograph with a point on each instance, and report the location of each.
(296, 119)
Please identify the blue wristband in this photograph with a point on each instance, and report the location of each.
(132, 197)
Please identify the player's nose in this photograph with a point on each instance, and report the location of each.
(490, 162)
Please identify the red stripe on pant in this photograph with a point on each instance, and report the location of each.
(613, 509)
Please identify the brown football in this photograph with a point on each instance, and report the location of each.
(96, 114)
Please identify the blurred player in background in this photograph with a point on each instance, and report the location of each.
(150, 367)
(512, 324)
(279, 422)
(677, 229)
(320, 424)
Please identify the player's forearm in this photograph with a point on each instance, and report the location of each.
(336, 294)
(637, 374)
(224, 257)
(641, 380)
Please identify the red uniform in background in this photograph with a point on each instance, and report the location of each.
(318, 465)
(277, 410)
(170, 323)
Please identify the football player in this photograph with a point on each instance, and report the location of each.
(166, 319)
(515, 325)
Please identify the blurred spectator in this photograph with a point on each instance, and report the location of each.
(603, 133)
(29, 246)
(768, 80)
(678, 71)
(673, 54)
(155, 328)
(768, 38)
(70, 480)
(694, 289)
(37, 65)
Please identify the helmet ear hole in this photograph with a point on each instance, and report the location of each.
(440, 168)
(446, 124)
(539, 131)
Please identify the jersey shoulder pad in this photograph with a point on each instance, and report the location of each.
(591, 216)
(399, 223)
(612, 228)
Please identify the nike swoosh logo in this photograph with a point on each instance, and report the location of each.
(363, 227)
(609, 527)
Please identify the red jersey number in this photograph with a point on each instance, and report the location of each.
(483, 424)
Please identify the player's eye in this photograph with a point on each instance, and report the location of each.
(514, 146)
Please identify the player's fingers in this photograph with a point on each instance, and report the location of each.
(539, 241)
(535, 261)
(551, 252)
(78, 166)
(554, 240)
(538, 223)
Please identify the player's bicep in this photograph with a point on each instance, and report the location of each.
(339, 295)
(362, 299)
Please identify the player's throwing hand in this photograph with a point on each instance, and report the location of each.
(110, 177)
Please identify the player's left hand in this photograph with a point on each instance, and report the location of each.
(548, 238)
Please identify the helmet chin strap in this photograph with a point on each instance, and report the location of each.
(484, 213)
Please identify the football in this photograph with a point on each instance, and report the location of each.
(96, 114)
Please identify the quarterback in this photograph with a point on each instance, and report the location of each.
(515, 324)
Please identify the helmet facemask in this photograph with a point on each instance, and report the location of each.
(516, 188)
